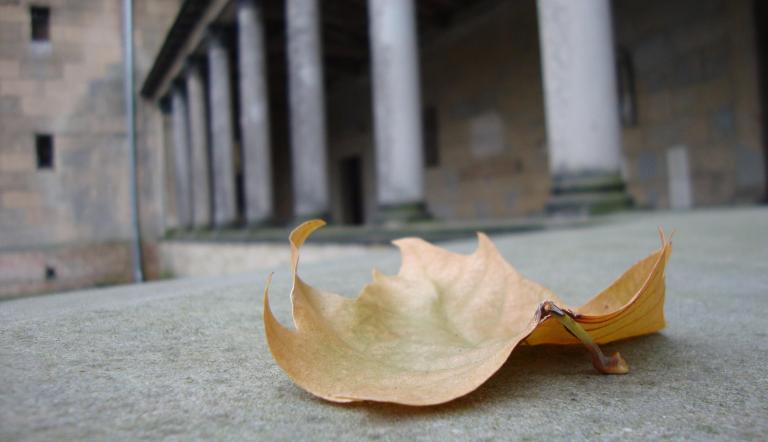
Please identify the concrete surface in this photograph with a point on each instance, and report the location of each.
(186, 359)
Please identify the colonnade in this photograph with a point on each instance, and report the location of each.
(580, 96)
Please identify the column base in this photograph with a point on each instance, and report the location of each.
(226, 225)
(400, 214)
(588, 194)
(263, 223)
(298, 219)
(186, 231)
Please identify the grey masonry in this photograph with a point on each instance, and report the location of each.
(582, 144)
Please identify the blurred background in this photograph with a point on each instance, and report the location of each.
(157, 138)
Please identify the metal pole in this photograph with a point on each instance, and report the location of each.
(130, 109)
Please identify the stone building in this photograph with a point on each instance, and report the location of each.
(255, 113)
(365, 111)
(65, 212)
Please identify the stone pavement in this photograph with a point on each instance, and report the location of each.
(187, 359)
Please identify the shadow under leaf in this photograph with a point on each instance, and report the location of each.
(533, 372)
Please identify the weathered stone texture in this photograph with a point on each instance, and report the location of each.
(696, 85)
(63, 268)
(72, 88)
(484, 81)
(487, 65)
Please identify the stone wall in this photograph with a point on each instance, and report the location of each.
(66, 267)
(71, 87)
(696, 84)
(696, 107)
(482, 78)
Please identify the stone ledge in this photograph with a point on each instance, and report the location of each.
(340, 234)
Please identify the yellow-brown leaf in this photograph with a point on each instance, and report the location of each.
(443, 325)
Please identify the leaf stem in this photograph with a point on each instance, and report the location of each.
(613, 364)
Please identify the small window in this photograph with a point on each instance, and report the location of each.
(627, 93)
(44, 147)
(40, 20)
(50, 273)
(431, 139)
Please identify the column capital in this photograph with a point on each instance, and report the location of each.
(194, 62)
(165, 104)
(246, 3)
(178, 84)
(217, 34)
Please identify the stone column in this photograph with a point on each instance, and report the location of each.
(198, 141)
(581, 99)
(397, 110)
(307, 109)
(181, 158)
(222, 136)
(254, 113)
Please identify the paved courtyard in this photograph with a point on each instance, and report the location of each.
(187, 359)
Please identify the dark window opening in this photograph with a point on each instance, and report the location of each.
(627, 94)
(352, 185)
(431, 138)
(50, 273)
(44, 148)
(40, 19)
(240, 194)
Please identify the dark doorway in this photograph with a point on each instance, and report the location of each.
(240, 188)
(352, 190)
(761, 28)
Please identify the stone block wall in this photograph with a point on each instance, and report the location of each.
(66, 267)
(482, 79)
(71, 87)
(697, 86)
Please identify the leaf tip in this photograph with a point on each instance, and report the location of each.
(303, 230)
(664, 238)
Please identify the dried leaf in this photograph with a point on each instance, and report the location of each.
(444, 324)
